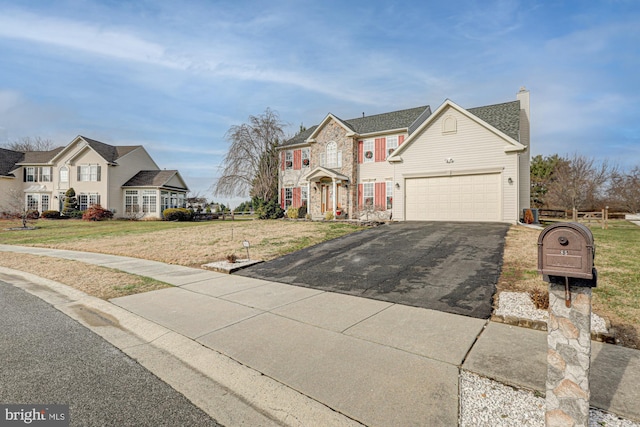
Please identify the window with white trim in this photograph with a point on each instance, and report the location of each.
(288, 159)
(131, 204)
(304, 195)
(392, 144)
(85, 200)
(333, 156)
(368, 147)
(368, 193)
(30, 174)
(305, 158)
(389, 195)
(44, 202)
(288, 197)
(45, 174)
(89, 173)
(33, 201)
(149, 200)
(64, 174)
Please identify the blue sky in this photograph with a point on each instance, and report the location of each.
(174, 76)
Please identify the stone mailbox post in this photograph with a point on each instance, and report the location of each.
(566, 252)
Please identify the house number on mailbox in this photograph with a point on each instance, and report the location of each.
(564, 252)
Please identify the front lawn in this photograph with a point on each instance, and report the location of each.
(617, 295)
(184, 243)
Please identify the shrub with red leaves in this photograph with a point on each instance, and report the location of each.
(97, 213)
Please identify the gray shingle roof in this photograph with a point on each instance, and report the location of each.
(110, 153)
(8, 160)
(40, 156)
(381, 122)
(504, 117)
(369, 124)
(301, 137)
(156, 178)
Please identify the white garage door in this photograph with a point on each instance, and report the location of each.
(454, 198)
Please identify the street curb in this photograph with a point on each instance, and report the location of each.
(231, 393)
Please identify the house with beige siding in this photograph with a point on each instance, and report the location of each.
(419, 164)
(123, 179)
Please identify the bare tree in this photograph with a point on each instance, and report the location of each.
(251, 164)
(579, 183)
(625, 189)
(31, 144)
(16, 207)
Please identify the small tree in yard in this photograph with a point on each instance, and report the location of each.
(16, 207)
(251, 164)
(70, 208)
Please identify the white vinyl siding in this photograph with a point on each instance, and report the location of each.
(474, 149)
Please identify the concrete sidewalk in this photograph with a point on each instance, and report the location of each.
(300, 356)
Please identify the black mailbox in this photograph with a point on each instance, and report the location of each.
(566, 252)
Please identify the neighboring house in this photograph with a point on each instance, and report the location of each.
(452, 164)
(123, 179)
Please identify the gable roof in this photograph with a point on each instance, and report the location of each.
(505, 117)
(8, 160)
(154, 178)
(502, 119)
(401, 119)
(110, 153)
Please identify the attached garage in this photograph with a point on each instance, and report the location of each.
(454, 198)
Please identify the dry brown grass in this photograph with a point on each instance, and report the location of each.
(189, 244)
(98, 281)
(212, 242)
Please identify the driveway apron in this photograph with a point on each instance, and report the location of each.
(446, 266)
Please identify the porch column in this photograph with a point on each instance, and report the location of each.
(333, 199)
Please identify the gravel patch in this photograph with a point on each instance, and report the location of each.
(519, 304)
(484, 402)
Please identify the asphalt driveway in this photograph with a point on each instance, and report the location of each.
(446, 266)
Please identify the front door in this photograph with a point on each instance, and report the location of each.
(327, 198)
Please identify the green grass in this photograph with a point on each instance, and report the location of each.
(618, 262)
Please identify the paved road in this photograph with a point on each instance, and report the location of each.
(48, 358)
(446, 266)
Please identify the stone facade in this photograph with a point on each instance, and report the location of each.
(568, 357)
(346, 196)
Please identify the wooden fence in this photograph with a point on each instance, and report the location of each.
(550, 215)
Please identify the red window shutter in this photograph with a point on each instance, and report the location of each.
(381, 195)
(360, 195)
(282, 194)
(297, 197)
(360, 152)
(297, 159)
(282, 154)
(381, 146)
(400, 139)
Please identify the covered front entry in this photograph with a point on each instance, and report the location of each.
(454, 198)
(327, 192)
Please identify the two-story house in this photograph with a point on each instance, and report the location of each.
(416, 164)
(123, 179)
